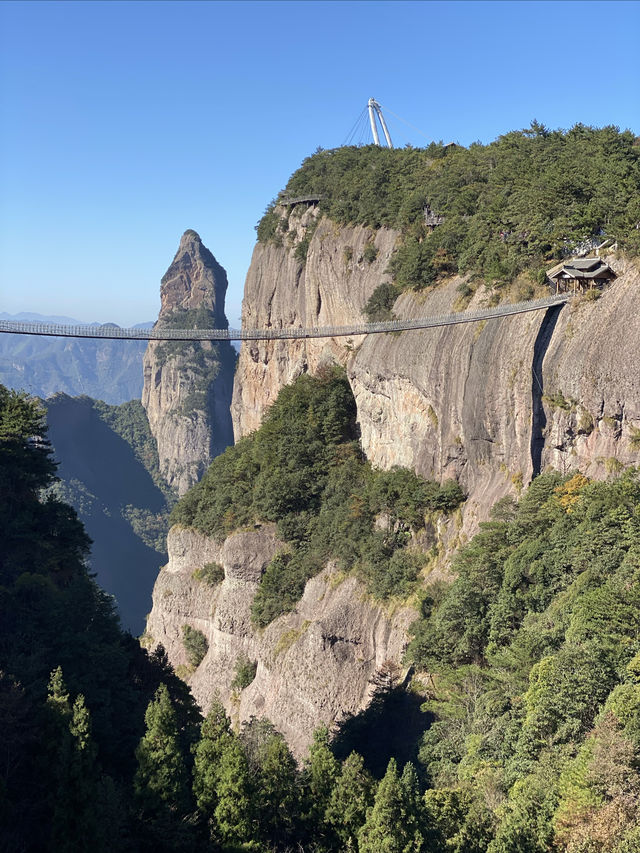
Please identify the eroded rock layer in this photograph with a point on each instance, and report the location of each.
(313, 666)
(187, 386)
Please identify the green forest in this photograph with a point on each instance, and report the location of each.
(509, 208)
(304, 470)
(527, 667)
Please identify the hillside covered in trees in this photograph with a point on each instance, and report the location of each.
(528, 663)
(507, 208)
(109, 471)
(304, 469)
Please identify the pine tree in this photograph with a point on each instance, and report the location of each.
(321, 770)
(276, 784)
(215, 732)
(161, 779)
(352, 796)
(234, 812)
(393, 825)
(58, 698)
(78, 822)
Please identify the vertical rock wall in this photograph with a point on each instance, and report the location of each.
(490, 404)
(187, 386)
(330, 288)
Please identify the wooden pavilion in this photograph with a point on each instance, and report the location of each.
(579, 275)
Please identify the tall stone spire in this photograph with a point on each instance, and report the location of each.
(188, 385)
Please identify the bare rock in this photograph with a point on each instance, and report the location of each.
(187, 386)
(330, 289)
(313, 665)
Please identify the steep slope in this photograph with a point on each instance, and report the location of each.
(457, 401)
(123, 510)
(187, 386)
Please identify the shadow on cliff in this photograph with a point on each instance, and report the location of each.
(391, 727)
(219, 397)
(539, 419)
(103, 475)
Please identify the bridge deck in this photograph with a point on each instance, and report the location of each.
(291, 333)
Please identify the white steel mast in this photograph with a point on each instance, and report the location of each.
(374, 128)
(374, 105)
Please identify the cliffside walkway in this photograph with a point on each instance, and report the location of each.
(158, 333)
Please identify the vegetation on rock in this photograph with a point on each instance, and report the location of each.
(245, 672)
(508, 207)
(211, 574)
(533, 651)
(304, 470)
(195, 644)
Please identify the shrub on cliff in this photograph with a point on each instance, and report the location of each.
(304, 470)
(195, 644)
(530, 195)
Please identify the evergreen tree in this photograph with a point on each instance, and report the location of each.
(274, 772)
(320, 772)
(351, 797)
(234, 812)
(395, 823)
(215, 733)
(79, 821)
(161, 778)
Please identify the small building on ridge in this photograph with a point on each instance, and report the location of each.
(580, 274)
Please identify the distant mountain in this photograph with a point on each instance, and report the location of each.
(108, 469)
(104, 369)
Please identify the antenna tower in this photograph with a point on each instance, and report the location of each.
(376, 109)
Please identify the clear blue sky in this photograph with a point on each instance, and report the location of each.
(125, 123)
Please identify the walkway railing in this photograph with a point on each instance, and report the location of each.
(158, 333)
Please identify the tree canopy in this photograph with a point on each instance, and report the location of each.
(510, 206)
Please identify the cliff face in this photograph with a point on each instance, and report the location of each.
(493, 405)
(489, 404)
(187, 386)
(313, 665)
(331, 288)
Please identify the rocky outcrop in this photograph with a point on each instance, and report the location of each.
(281, 291)
(187, 386)
(313, 665)
(490, 404)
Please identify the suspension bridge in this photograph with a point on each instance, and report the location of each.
(160, 333)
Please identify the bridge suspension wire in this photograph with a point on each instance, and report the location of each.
(158, 333)
(408, 123)
(356, 134)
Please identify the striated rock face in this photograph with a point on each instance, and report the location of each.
(331, 288)
(187, 386)
(313, 665)
(482, 402)
(494, 404)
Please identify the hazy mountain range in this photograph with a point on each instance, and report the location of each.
(104, 369)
